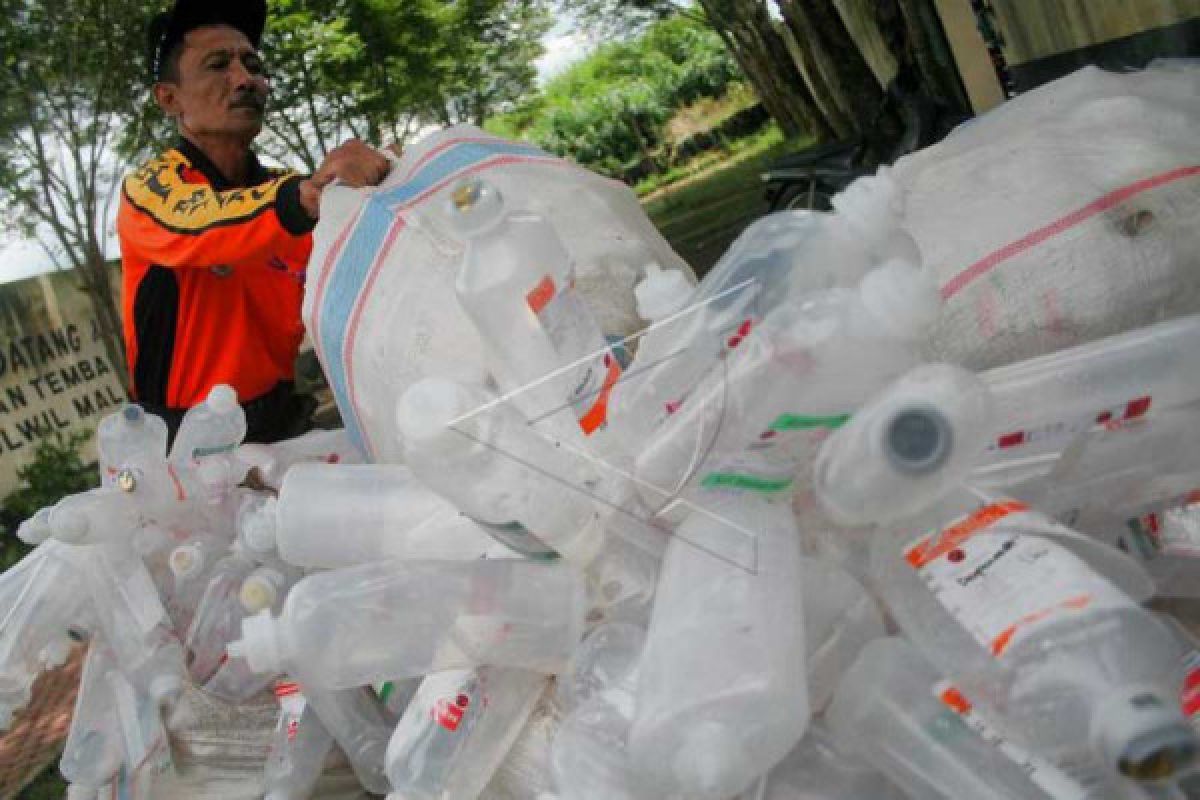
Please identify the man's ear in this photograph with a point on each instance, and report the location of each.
(165, 94)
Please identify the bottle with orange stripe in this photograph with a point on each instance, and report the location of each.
(543, 344)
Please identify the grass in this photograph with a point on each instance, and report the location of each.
(714, 197)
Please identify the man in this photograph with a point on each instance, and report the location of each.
(213, 245)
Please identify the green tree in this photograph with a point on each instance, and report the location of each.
(70, 99)
(380, 69)
(56, 471)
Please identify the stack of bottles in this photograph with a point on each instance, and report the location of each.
(777, 554)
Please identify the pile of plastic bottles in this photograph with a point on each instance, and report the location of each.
(775, 552)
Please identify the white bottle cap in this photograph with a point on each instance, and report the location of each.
(260, 644)
(260, 590)
(1142, 735)
(259, 526)
(186, 561)
(222, 399)
(36, 529)
(133, 414)
(661, 293)
(903, 297)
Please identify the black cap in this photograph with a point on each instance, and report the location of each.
(168, 28)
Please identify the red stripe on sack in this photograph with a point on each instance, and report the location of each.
(997, 257)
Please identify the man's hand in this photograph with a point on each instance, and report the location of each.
(353, 162)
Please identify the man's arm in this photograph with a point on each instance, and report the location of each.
(174, 223)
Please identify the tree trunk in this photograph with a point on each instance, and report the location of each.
(931, 53)
(745, 27)
(95, 274)
(840, 73)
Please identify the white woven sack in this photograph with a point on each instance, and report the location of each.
(1070, 213)
(379, 300)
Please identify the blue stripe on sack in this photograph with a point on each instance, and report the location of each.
(349, 273)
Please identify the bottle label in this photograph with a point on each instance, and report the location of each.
(591, 369)
(770, 464)
(291, 708)
(1170, 527)
(434, 730)
(1057, 432)
(1189, 696)
(1053, 781)
(518, 538)
(1002, 582)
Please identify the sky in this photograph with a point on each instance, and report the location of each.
(21, 259)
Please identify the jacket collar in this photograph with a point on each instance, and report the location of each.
(256, 173)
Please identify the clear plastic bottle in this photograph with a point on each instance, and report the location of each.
(456, 731)
(97, 516)
(722, 693)
(590, 756)
(778, 259)
(361, 625)
(1134, 486)
(332, 516)
(998, 597)
(43, 610)
(127, 436)
(887, 712)
(299, 746)
(1117, 377)
(905, 448)
(817, 770)
(840, 618)
(218, 616)
(357, 722)
(216, 426)
(480, 455)
(274, 461)
(606, 659)
(758, 417)
(94, 749)
(190, 564)
(517, 285)
(133, 621)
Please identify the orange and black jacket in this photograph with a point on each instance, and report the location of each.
(213, 279)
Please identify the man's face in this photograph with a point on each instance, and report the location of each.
(222, 87)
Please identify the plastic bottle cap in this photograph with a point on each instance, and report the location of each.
(918, 440)
(902, 296)
(260, 644)
(424, 411)
(661, 293)
(133, 414)
(259, 526)
(1142, 735)
(475, 206)
(222, 399)
(185, 561)
(260, 590)
(33, 531)
(707, 759)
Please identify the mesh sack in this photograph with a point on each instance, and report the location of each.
(1069, 213)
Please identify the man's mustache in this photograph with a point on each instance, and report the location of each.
(254, 101)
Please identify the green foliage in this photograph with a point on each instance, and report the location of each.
(57, 470)
(610, 110)
(378, 69)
